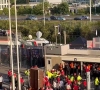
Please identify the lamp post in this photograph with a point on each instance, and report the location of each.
(11, 52)
(19, 85)
(90, 11)
(56, 33)
(43, 14)
(95, 7)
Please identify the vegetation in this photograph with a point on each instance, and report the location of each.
(73, 29)
(60, 9)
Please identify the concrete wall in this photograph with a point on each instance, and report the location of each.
(83, 52)
(64, 49)
(78, 51)
(57, 50)
(52, 62)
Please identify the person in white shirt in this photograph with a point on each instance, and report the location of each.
(1, 80)
(61, 83)
(54, 85)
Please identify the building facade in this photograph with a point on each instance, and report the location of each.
(3, 4)
(56, 54)
(50, 1)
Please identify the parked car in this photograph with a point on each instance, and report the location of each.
(81, 18)
(31, 18)
(48, 19)
(53, 18)
(61, 18)
(4, 18)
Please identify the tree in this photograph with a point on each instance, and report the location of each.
(63, 8)
(37, 10)
(12, 11)
(1, 12)
(12, 2)
(5, 11)
(21, 10)
(28, 10)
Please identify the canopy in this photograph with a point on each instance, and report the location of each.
(78, 43)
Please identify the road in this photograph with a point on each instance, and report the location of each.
(67, 17)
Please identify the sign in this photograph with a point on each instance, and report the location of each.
(75, 59)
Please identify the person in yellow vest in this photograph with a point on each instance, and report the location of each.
(79, 78)
(72, 78)
(96, 83)
(27, 72)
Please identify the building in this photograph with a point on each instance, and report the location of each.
(56, 54)
(3, 4)
(50, 1)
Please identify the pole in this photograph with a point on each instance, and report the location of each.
(19, 85)
(88, 80)
(90, 11)
(11, 52)
(59, 32)
(95, 7)
(64, 37)
(56, 34)
(43, 14)
(81, 68)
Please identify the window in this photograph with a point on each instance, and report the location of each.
(39, 44)
(48, 61)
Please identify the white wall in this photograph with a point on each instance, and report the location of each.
(54, 1)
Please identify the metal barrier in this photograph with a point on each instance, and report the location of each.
(29, 56)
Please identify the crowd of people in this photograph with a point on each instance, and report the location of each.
(15, 79)
(69, 76)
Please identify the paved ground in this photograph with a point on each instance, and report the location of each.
(3, 72)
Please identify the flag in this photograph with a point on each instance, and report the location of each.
(34, 43)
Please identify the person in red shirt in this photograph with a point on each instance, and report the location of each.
(66, 77)
(84, 84)
(75, 86)
(58, 79)
(48, 84)
(9, 75)
(62, 72)
(22, 81)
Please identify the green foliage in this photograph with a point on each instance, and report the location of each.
(5, 11)
(21, 10)
(62, 8)
(22, 1)
(12, 2)
(12, 11)
(73, 29)
(38, 10)
(1, 12)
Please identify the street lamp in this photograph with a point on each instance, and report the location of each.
(43, 14)
(11, 52)
(19, 85)
(56, 33)
(90, 11)
(95, 7)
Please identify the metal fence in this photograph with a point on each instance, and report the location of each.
(28, 56)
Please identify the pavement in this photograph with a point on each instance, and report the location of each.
(4, 71)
